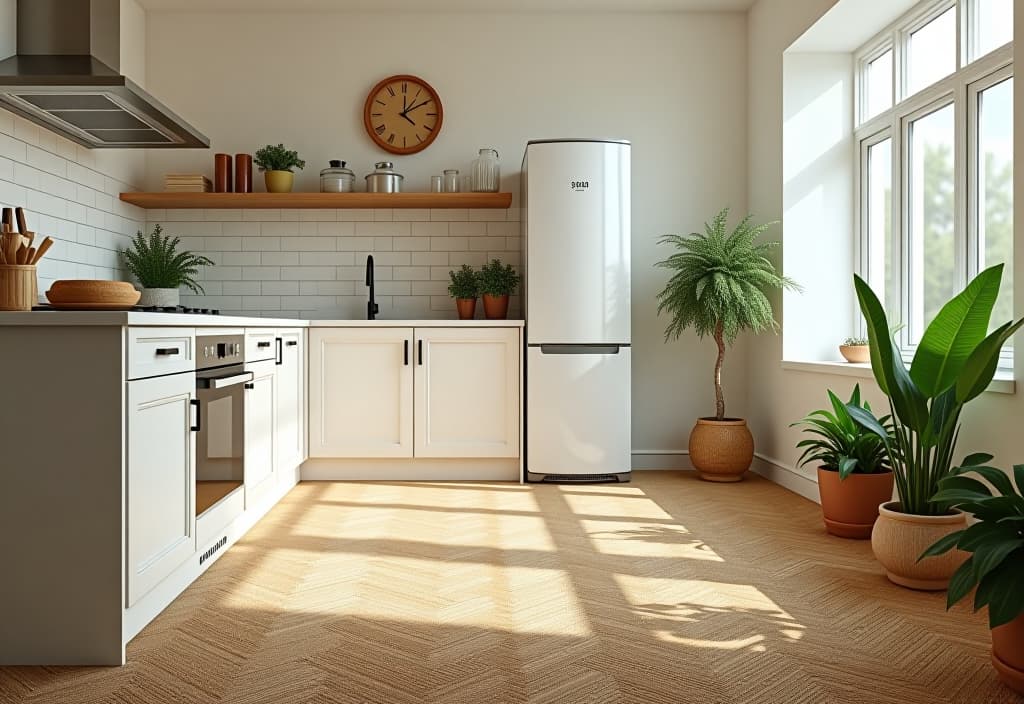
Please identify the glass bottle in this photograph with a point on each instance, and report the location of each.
(435, 184)
(486, 172)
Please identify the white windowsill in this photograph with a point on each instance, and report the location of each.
(1003, 383)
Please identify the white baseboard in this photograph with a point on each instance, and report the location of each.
(418, 469)
(786, 477)
(661, 459)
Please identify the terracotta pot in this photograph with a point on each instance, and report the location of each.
(466, 308)
(899, 539)
(850, 506)
(860, 354)
(279, 181)
(721, 450)
(495, 307)
(1008, 653)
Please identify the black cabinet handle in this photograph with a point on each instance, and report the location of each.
(263, 344)
(195, 428)
(405, 353)
(167, 351)
(279, 356)
(419, 351)
(292, 343)
(250, 386)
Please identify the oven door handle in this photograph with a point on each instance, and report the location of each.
(222, 382)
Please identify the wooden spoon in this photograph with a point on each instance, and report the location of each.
(19, 213)
(43, 248)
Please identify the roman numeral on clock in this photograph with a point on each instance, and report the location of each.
(391, 91)
(391, 139)
(380, 129)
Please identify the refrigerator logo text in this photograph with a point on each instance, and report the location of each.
(579, 185)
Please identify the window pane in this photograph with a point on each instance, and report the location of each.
(933, 279)
(932, 51)
(994, 25)
(995, 189)
(879, 223)
(879, 88)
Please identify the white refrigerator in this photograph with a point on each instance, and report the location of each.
(576, 195)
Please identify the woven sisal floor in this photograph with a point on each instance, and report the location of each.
(664, 590)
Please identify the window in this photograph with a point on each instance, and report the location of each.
(935, 193)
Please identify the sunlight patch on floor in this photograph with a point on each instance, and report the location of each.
(639, 539)
(614, 506)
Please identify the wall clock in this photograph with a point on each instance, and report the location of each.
(403, 114)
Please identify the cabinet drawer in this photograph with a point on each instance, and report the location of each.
(259, 344)
(158, 351)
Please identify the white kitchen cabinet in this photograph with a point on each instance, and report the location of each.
(260, 437)
(360, 392)
(467, 392)
(160, 479)
(291, 401)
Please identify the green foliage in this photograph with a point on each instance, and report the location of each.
(954, 363)
(271, 158)
(995, 569)
(719, 280)
(855, 341)
(839, 443)
(497, 279)
(465, 283)
(156, 263)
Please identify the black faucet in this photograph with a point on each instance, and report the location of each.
(371, 307)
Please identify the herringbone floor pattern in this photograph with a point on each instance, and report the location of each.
(667, 589)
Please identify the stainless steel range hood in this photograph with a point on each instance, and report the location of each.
(66, 77)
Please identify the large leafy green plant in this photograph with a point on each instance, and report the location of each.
(156, 262)
(841, 444)
(996, 542)
(497, 279)
(954, 363)
(718, 286)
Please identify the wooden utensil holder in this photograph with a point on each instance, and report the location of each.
(19, 289)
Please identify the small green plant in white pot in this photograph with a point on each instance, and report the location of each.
(161, 269)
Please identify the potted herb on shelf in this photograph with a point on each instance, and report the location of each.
(855, 350)
(277, 164)
(854, 476)
(161, 269)
(497, 282)
(718, 287)
(995, 568)
(954, 363)
(464, 288)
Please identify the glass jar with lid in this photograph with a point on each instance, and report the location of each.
(486, 172)
(337, 178)
(450, 181)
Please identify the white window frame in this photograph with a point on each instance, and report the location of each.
(960, 89)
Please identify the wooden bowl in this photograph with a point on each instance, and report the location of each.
(85, 292)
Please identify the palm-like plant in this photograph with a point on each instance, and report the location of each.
(157, 263)
(718, 286)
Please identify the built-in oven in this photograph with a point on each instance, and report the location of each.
(221, 381)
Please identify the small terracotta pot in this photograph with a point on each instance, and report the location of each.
(495, 307)
(899, 539)
(857, 354)
(466, 308)
(1008, 653)
(721, 450)
(850, 506)
(279, 181)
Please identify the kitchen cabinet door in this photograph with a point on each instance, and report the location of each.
(360, 392)
(160, 525)
(291, 402)
(260, 440)
(467, 392)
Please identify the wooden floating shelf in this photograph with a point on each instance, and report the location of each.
(318, 200)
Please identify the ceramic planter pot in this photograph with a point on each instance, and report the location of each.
(850, 506)
(159, 298)
(466, 308)
(856, 353)
(279, 181)
(495, 307)
(1008, 653)
(899, 539)
(721, 450)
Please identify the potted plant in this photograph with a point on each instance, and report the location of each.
(718, 286)
(464, 288)
(161, 269)
(995, 568)
(855, 350)
(954, 363)
(497, 282)
(854, 476)
(277, 164)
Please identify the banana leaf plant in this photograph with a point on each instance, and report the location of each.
(954, 363)
(995, 569)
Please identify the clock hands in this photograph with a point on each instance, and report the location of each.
(405, 109)
(417, 105)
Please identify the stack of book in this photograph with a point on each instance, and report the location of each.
(187, 183)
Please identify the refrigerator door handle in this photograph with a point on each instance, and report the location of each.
(580, 349)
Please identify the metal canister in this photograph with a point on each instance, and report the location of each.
(384, 179)
(337, 179)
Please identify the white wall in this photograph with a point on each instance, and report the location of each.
(674, 84)
(778, 397)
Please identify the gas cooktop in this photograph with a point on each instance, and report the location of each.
(153, 309)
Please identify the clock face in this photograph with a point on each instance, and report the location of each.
(403, 114)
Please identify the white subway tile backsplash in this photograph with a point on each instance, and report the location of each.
(308, 273)
(335, 229)
(434, 228)
(247, 259)
(261, 273)
(326, 258)
(308, 244)
(280, 288)
(429, 258)
(243, 288)
(412, 273)
(279, 258)
(449, 244)
(410, 244)
(283, 228)
(261, 244)
(383, 228)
